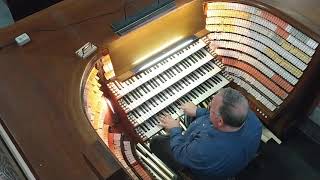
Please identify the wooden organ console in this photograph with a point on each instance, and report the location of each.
(269, 53)
(245, 46)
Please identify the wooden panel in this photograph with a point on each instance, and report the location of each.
(40, 99)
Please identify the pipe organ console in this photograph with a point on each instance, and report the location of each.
(248, 45)
(192, 73)
(188, 75)
(263, 55)
(94, 118)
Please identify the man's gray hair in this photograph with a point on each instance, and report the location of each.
(235, 107)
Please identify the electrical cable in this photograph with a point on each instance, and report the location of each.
(74, 23)
(7, 45)
(65, 26)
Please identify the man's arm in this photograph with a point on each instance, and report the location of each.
(202, 112)
(185, 152)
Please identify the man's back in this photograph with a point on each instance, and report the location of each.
(209, 152)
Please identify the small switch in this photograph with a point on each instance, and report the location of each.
(86, 50)
(22, 39)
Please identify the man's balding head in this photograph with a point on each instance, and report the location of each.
(231, 106)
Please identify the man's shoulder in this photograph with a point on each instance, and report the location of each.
(253, 120)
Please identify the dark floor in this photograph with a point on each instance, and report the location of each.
(295, 159)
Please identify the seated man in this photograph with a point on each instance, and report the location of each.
(218, 144)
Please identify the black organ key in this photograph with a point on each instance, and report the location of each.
(179, 85)
(163, 77)
(177, 69)
(162, 81)
(166, 73)
(135, 114)
(159, 98)
(138, 76)
(169, 92)
(140, 91)
(151, 84)
(202, 54)
(148, 126)
(169, 73)
(157, 81)
(188, 62)
(198, 55)
(191, 77)
(152, 121)
(193, 60)
(184, 82)
(206, 68)
(218, 78)
(148, 104)
(214, 80)
(178, 103)
(207, 83)
(170, 89)
(126, 100)
(144, 127)
(144, 89)
(179, 66)
(188, 97)
(141, 108)
(137, 111)
(198, 71)
(129, 99)
(161, 95)
(202, 70)
(187, 80)
(184, 99)
(173, 71)
(172, 109)
(199, 90)
(202, 88)
(193, 94)
(153, 103)
(134, 95)
(194, 57)
(165, 94)
(137, 93)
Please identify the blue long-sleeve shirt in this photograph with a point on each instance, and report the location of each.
(208, 152)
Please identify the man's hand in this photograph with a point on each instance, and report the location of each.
(168, 122)
(189, 109)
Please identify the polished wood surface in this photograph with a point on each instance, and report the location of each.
(40, 99)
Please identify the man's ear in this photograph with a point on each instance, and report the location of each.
(220, 122)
